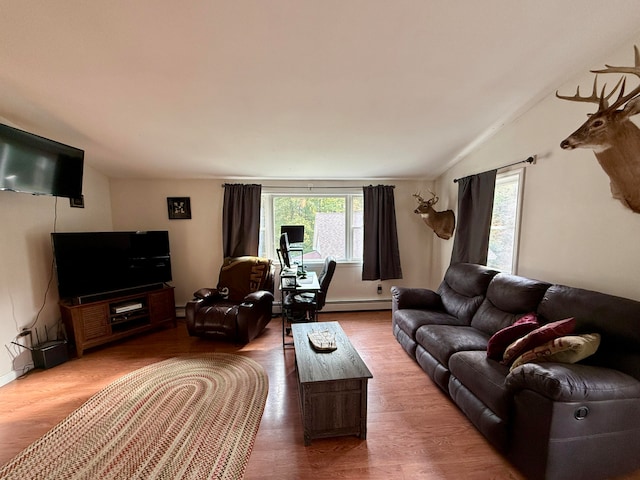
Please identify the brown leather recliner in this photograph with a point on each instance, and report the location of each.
(240, 307)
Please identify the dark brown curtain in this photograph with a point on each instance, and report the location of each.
(381, 256)
(241, 220)
(475, 207)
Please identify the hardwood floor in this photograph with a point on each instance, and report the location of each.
(414, 431)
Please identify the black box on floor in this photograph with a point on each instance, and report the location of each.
(50, 354)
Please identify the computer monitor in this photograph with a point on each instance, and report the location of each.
(283, 251)
(295, 233)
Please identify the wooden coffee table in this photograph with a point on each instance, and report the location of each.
(332, 385)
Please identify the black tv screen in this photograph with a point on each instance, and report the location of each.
(90, 263)
(33, 164)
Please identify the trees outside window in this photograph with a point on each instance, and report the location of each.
(332, 224)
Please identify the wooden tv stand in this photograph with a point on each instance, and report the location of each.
(91, 324)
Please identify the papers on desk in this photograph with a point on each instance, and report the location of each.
(307, 283)
(289, 282)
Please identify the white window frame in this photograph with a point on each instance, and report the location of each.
(504, 177)
(267, 228)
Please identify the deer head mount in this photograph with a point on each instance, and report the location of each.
(615, 140)
(442, 223)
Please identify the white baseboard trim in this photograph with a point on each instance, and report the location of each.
(335, 306)
(357, 305)
(8, 378)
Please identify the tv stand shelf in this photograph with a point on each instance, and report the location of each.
(91, 324)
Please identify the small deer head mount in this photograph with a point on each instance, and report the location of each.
(442, 223)
(614, 139)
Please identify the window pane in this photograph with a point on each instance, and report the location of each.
(504, 223)
(323, 219)
(332, 224)
(357, 226)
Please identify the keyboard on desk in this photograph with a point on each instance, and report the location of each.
(302, 281)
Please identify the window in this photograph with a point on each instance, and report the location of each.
(332, 224)
(505, 222)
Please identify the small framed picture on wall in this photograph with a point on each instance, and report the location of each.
(179, 208)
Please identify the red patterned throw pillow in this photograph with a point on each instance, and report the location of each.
(505, 337)
(537, 337)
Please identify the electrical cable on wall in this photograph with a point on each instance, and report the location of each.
(44, 300)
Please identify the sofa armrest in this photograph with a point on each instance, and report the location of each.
(254, 313)
(202, 298)
(575, 382)
(253, 298)
(190, 310)
(414, 298)
(205, 293)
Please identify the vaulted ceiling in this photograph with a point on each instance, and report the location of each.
(299, 89)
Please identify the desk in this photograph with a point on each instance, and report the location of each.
(293, 284)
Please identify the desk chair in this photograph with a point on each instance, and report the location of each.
(304, 307)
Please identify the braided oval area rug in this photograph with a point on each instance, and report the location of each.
(192, 417)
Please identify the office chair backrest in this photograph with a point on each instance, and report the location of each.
(324, 279)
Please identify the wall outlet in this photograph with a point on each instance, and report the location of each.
(379, 289)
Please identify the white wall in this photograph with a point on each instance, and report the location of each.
(573, 232)
(196, 244)
(27, 222)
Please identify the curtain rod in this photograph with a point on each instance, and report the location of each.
(527, 160)
(307, 187)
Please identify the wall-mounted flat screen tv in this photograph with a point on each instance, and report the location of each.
(33, 164)
(106, 264)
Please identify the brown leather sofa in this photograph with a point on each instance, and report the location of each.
(551, 419)
(241, 305)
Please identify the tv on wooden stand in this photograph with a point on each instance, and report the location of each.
(95, 266)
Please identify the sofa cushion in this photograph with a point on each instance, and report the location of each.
(508, 298)
(537, 337)
(432, 367)
(463, 289)
(442, 341)
(409, 320)
(616, 319)
(469, 279)
(408, 343)
(500, 340)
(483, 377)
(567, 349)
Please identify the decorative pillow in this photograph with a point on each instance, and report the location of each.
(503, 338)
(568, 349)
(537, 337)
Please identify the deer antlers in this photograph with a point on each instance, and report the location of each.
(431, 202)
(602, 99)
